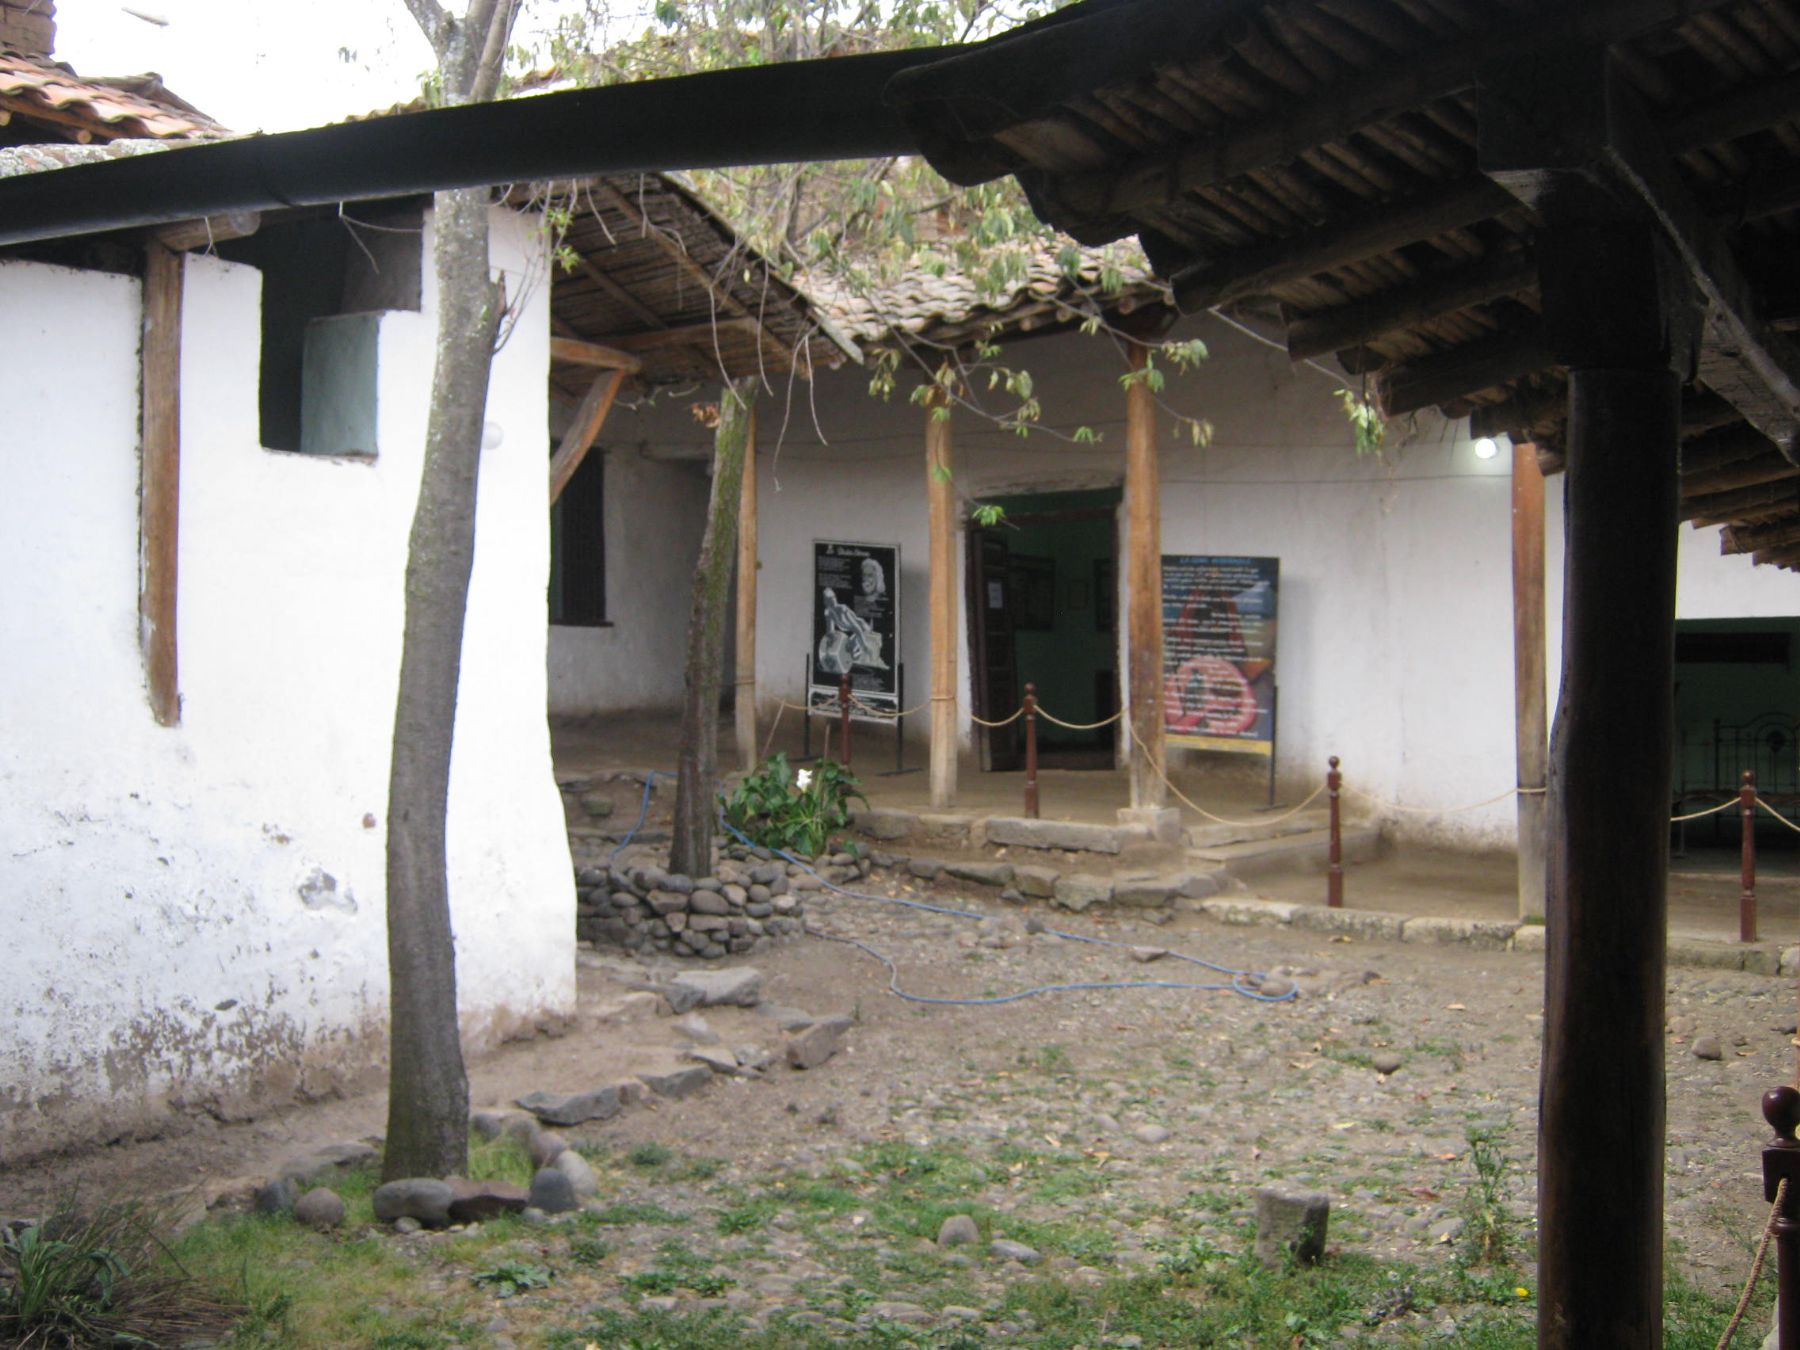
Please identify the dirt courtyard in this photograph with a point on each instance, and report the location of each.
(1141, 1117)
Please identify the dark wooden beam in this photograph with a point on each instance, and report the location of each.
(618, 293)
(1726, 446)
(1755, 198)
(687, 335)
(1754, 538)
(1751, 503)
(1769, 468)
(1593, 132)
(1442, 293)
(584, 430)
(1776, 557)
(593, 354)
(1762, 103)
(1483, 364)
(1703, 410)
(1378, 228)
(159, 503)
(190, 234)
(1519, 414)
(1345, 107)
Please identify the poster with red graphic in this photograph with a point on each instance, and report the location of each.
(1219, 652)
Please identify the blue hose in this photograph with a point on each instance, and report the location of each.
(643, 815)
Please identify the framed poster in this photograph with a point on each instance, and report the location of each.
(856, 626)
(1219, 619)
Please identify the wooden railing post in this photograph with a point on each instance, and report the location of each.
(1781, 1162)
(1747, 861)
(844, 715)
(1031, 783)
(1334, 876)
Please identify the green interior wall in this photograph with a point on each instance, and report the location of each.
(1062, 660)
(1729, 692)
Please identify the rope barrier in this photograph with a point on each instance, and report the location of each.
(1772, 811)
(1049, 716)
(1193, 805)
(1006, 722)
(774, 726)
(1756, 1268)
(1434, 810)
(1709, 811)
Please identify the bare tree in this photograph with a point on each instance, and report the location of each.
(697, 761)
(428, 1088)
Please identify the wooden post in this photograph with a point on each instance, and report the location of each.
(1143, 574)
(1031, 781)
(1334, 872)
(1781, 1162)
(1602, 1116)
(744, 703)
(1747, 860)
(844, 715)
(1530, 713)
(159, 503)
(940, 497)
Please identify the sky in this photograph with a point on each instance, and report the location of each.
(269, 65)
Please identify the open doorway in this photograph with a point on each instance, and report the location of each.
(1737, 709)
(1041, 611)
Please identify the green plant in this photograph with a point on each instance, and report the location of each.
(1489, 1225)
(513, 1277)
(649, 1155)
(1366, 422)
(589, 1251)
(794, 812)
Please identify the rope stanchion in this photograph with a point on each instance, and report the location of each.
(1756, 1269)
(1078, 726)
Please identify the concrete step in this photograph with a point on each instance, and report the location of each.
(1207, 835)
(1310, 849)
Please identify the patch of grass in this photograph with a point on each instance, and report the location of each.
(748, 1216)
(1444, 1047)
(649, 1155)
(678, 1266)
(502, 1159)
(1489, 1225)
(628, 1212)
(589, 1251)
(513, 1277)
(700, 1169)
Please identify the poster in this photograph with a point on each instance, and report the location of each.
(1219, 652)
(856, 627)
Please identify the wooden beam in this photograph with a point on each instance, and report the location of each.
(1762, 103)
(1346, 107)
(159, 503)
(1531, 741)
(1521, 413)
(210, 230)
(1704, 410)
(1462, 370)
(1726, 446)
(940, 501)
(1143, 588)
(744, 653)
(1362, 233)
(1753, 538)
(1750, 503)
(1785, 556)
(1757, 197)
(1753, 472)
(1443, 293)
(584, 430)
(577, 352)
(687, 335)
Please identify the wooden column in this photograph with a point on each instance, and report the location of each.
(744, 704)
(1143, 589)
(159, 502)
(940, 497)
(1529, 711)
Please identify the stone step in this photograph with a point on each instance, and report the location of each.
(1310, 849)
(1206, 835)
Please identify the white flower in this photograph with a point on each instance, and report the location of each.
(803, 779)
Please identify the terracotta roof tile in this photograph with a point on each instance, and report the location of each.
(133, 106)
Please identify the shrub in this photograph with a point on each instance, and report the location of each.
(795, 812)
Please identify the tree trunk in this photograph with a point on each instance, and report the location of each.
(697, 765)
(428, 1089)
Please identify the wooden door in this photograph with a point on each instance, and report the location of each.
(992, 651)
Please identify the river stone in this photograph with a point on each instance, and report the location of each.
(1385, 1062)
(1708, 1047)
(708, 902)
(275, 1198)
(596, 1104)
(479, 1201)
(678, 1083)
(581, 1176)
(981, 873)
(740, 985)
(1290, 1226)
(542, 1146)
(553, 1192)
(958, 1230)
(423, 1198)
(321, 1208)
(1008, 1250)
(817, 1043)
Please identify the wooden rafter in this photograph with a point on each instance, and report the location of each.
(579, 352)
(1474, 283)
(159, 502)
(584, 430)
(619, 293)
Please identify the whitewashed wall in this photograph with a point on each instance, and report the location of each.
(655, 513)
(1396, 575)
(194, 917)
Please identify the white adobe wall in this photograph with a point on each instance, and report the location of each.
(194, 917)
(655, 514)
(1395, 647)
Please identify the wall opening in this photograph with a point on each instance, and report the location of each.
(327, 279)
(578, 548)
(1041, 611)
(1737, 708)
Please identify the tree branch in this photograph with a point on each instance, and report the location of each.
(433, 21)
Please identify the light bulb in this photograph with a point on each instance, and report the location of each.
(1486, 448)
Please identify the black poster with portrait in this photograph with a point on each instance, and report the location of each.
(856, 627)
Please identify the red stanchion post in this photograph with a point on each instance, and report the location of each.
(844, 715)
(1781, 1162)
(1747, 863)
(1031, 786)
(1334, 876)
